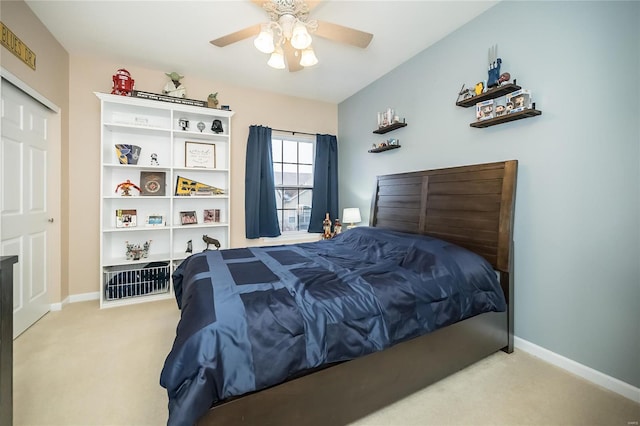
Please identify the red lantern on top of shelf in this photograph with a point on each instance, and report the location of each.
(122, 83)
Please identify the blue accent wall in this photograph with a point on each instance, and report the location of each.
(577, 220)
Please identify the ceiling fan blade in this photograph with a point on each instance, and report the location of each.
(343, 34)
(223, 41)
(293, 61)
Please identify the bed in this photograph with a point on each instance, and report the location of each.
(264, 337)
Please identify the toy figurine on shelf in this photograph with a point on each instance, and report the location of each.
(504, 78)
(126, 188)
(326, 227)
(210, 240)
(154, 159)
(189, 247)
(122, 83)
(337, 227)
(135, 252)
(479, 88)
(212, 100)
(174, 87)
(465, 93)
(494, 67)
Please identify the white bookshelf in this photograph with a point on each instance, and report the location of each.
(155, 127)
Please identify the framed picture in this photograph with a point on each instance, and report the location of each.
(188, 218)
(211, 215)
(200, 155)
(484, 110)
(155, 220)
(153, 184)
(126, 218)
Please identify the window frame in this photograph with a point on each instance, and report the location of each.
(298, 138)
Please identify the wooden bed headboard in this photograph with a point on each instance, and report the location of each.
(471, 206)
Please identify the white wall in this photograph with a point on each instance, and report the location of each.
(577, 230)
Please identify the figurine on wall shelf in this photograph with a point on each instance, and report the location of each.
(465, 93)
(174, 87)
(212, 100)
(479, 88)
(494, 67)
(126, 188)
(154, 159)
(122, 83)
(201, 126)
(183, 123)
(504, 78)
(189, 247)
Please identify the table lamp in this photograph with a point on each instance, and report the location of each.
(351, 216)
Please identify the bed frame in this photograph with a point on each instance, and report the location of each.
(471, 206)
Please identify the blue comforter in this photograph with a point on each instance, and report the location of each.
(254, 317)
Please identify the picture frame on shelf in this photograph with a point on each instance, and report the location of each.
(153, 184)
(126, 218)
(188, 218)
(200, 155)
(155, 220)
(211, 215)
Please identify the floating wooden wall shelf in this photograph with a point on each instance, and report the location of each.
(385, 129)
(384, 148)
(506, 118)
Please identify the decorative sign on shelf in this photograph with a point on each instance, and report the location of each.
(17, 47)
(165, 98)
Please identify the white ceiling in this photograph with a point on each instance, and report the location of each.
(175, 35)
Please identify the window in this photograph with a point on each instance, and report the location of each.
(293, 173)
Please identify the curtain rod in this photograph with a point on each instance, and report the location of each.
(294, 132)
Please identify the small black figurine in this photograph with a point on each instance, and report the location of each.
(189, 247)
(216, 126)
(210, 240)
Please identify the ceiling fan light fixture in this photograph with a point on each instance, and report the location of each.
(264, 41)
(300, 38)
(308, 58)
(277, 59)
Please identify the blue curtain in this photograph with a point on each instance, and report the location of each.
(261, 217)
(325, 182)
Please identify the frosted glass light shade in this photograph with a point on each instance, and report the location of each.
(308, 58)
(300, 39)
(264, 41)
(277, 59)
(351, 216)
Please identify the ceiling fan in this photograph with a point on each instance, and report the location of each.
(286, 35)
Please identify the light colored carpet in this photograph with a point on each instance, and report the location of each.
(85, 366)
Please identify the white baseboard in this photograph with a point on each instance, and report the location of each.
(83, 297)
(587, 373)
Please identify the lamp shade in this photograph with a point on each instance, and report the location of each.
(300, 39)
(351, 215)
(277, 59)
(308, 58)
(264, 41)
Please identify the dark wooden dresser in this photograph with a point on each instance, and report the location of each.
(6, 339)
